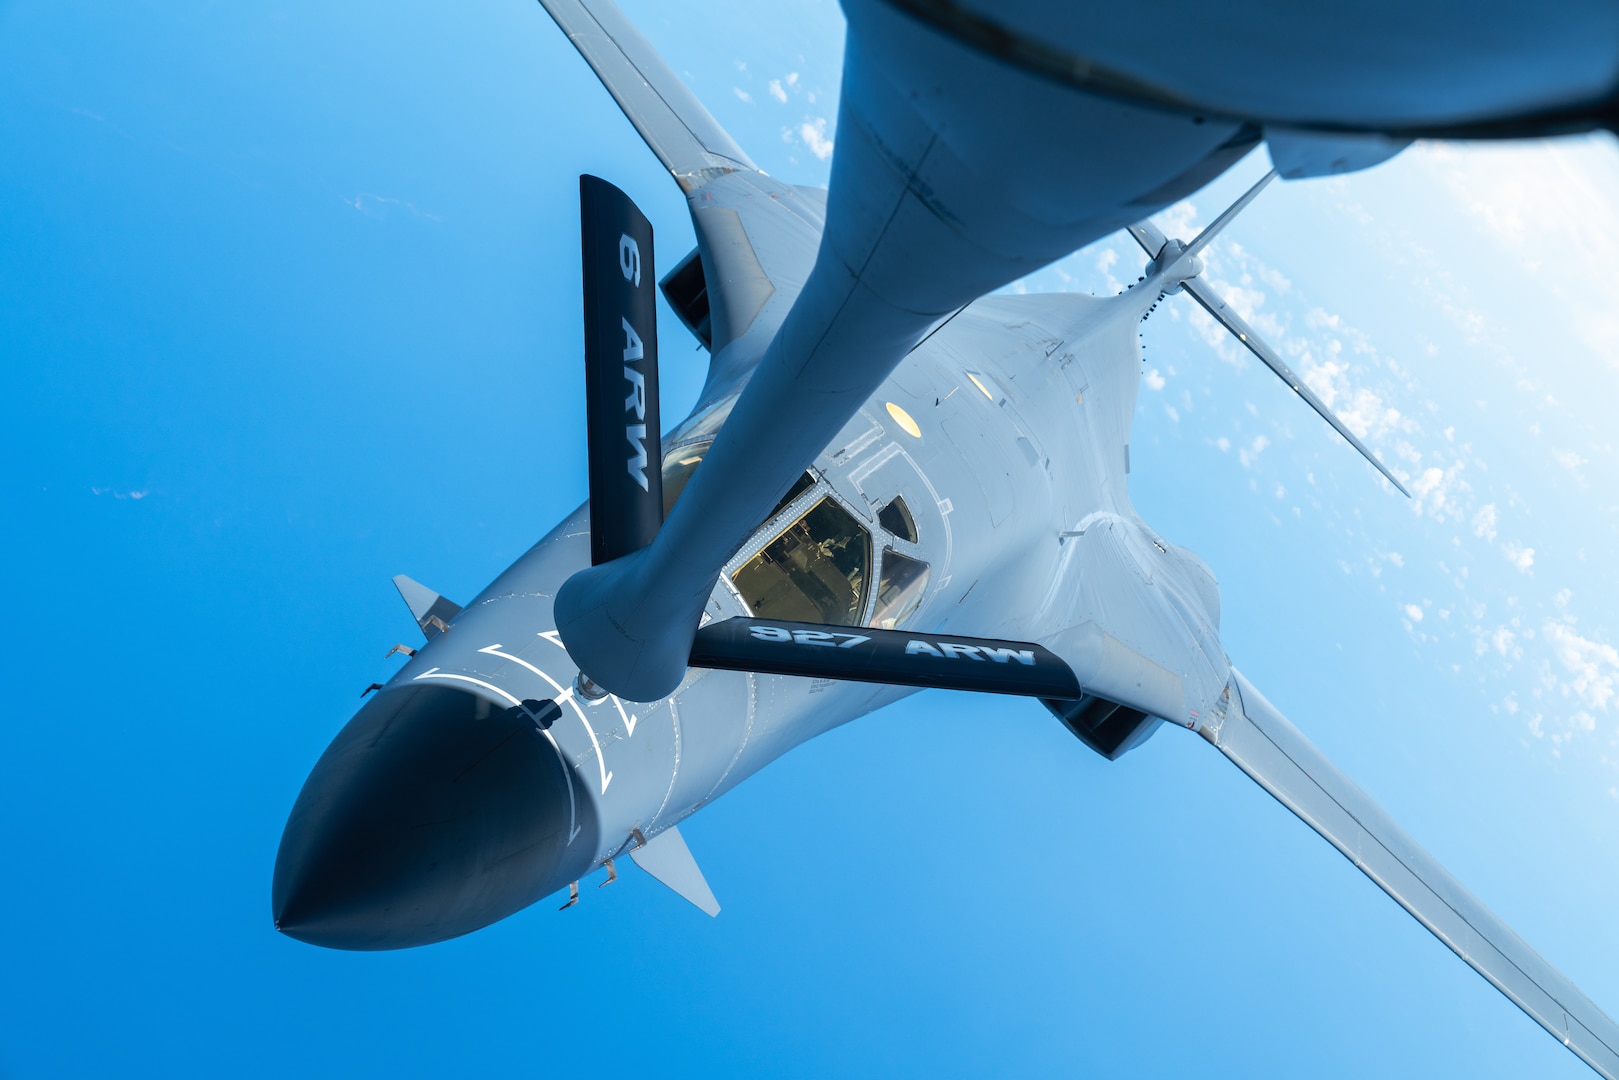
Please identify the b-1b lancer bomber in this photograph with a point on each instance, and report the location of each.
(894, 479)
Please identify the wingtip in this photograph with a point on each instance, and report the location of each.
(1390, 477)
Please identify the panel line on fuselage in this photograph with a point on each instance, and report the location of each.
(674, 770)
(747, 735)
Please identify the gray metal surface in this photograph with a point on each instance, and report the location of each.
(667, 858)
(1261, 742)
(1505, 68)
(428, 608)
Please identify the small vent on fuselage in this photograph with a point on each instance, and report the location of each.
(896, 518)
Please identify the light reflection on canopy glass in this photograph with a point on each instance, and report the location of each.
(899, 589)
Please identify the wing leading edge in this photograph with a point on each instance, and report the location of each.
(678, 129)
(1261, 742)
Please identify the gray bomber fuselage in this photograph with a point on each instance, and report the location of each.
(1005, 433)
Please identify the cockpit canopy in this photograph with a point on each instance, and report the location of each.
(821, 562)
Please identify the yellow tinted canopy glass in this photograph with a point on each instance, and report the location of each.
(817, 570)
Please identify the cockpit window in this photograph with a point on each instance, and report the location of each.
(682, 461)
(899, 592)
(678, 465)
(692, 438)
(896, 518)
(817, 570)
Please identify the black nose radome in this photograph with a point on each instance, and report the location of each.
(433, 813)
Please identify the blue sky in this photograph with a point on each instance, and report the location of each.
(289, 304)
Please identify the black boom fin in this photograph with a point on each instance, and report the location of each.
(895, 657)
(621, 372)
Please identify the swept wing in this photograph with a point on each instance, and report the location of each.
(1154, 243)
(678, 129)
(1261, 742)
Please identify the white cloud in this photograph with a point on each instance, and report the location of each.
(1153, 380)
(1105, 262)
(1326, 370)
(742, 95)
(1592, 666)
(1275, 279)
(813, 132)
(1179, 222)
(1413, 612)
(1246, 301)
(1365, 414)
(1435, 491)
(1549, 205)
(1484, 522)
(1251, 453)
(777, 92)
(1521, 557)
(1505, 642)
(1571, 461)
(1223, 443)
(1216, 337)
(379, 205)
